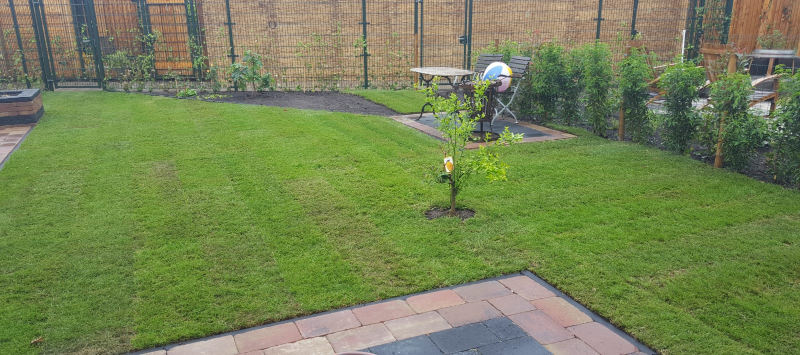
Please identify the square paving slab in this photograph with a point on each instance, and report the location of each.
(509, 315)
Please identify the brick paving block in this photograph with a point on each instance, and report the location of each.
(267, 337)
(360, 338)
(561, 311)
(328, 323)
(541, 327)
(154, 352)
(421, 345)
(463, 338)
(313, 346)
(469, 313)
(602, 339)
(214, 346)
(504, 328)
(527, 287)
(519, 346)
(482, 291)
(571, 347)
(255, 352)
(420, 324)
(434, 300)
(382, 312)
(512, 304)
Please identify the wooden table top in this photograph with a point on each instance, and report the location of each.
(442, 71)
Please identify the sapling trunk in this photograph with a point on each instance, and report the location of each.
(720, 140)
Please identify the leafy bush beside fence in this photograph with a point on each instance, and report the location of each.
(784, 160)
(681, 82)
(598, 79)
(634, 75)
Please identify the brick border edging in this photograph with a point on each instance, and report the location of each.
(21, 140)
(527, 273)
(595, 317)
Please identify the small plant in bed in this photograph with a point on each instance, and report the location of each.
(457, 120)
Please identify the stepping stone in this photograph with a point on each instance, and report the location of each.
(504, 328)
(434, 300)
(420, 324)
(421, 345)
(463, 338)
(519, 346)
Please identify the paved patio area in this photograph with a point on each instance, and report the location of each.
(510, 315)
(531, 132)
(10, 137)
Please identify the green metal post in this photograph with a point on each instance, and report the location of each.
(464, 36)
(40, 43)
(364, 24)
(230, 36)
(192, 28)
(421, 32)
(53, 77)
(19, 43)
(469, 37)
(599, 18)
(633, 18)
(95, 40)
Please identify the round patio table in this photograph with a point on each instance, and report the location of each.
(454, 77)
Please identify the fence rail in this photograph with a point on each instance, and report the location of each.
(318, 44)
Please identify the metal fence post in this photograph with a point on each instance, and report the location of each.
(230, 24)
(41, 45)
(599, 18)
(469, 37)
(421, 33)
(633, 18)
(95, 35)
(365, 54)
(19, 43)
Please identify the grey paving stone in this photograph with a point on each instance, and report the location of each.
(421, 345)
(467, 337)
(504, 328)
(468, 352)
(518, 346)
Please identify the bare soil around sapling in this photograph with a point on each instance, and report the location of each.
(438, 212)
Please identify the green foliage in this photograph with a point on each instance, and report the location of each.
(634, 75)
(457, 120)
(213, 77)
(540, 91)
(508, 48)
(774, 40)
(680, 82)
(741, 132)
(248, 71)
(571, 88)
(784, 159)
(186, 93)
(598, 78)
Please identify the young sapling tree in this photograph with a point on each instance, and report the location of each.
(457, 119)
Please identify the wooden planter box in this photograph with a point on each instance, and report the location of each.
(20, 106)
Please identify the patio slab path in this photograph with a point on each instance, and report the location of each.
(531, 132)
(10, 138)
(508, 315)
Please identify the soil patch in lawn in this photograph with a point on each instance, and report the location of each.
(320, 100)
(437, 212)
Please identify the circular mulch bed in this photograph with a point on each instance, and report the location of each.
(437, 212)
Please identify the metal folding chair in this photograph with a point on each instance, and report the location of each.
(519, 67)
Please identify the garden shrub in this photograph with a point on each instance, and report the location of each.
(541, 89)
(730, 121)
(681, 83)
(598, 79)
(571, 88)
(457, 120)
(634, 75)
(784, 159)
(248, 71)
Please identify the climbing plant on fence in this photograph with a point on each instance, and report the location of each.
(634, 75)
(598, 78)
(680, 82)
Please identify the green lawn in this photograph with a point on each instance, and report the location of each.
(401, 101)
(131, 221)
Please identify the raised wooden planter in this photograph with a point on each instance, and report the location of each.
(20, 106)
